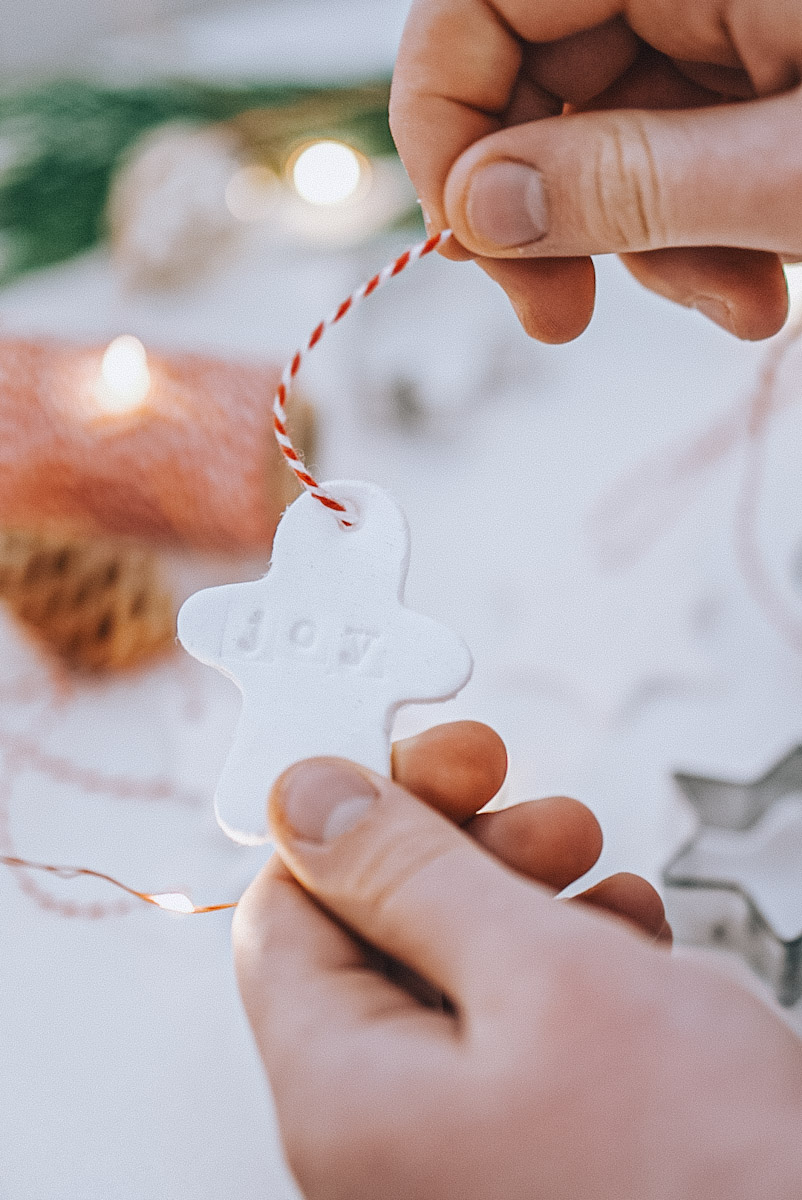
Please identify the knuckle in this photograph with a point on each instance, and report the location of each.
(393, 866)
(628, 208)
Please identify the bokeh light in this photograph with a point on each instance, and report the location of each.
(251, 193)
(327, 173)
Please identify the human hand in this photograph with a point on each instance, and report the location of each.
(666, 132)
(573, 1058)
(457, 769)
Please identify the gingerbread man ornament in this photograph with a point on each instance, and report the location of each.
(322, 648)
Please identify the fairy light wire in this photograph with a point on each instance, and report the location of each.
(413, 255)
(176, 902)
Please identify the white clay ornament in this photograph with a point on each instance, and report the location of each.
(322, 649)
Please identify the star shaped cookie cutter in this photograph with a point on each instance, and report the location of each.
(747, 847)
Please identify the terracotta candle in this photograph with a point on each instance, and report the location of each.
(113, 440)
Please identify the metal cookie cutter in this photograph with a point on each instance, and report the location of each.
(738, 882)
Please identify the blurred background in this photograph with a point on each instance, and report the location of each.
(39, 37)
(186, 189)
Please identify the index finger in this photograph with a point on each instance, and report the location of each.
(457, 768)
(456, 75)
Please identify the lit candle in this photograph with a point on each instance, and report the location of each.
(166, 448)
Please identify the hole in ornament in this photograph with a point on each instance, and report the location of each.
(112, 573)
(61, 562)
(351, 518)
(104, 628)
(138, 605)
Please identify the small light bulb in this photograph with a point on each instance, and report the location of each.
(125, 377)
(327, 173)
(175, 902)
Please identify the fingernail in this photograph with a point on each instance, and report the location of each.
(322, 799)
(715, 310)
(506, 205)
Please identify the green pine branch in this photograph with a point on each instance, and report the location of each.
(61, 142)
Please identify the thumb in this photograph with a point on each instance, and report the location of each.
(631, 180)
(405, 879)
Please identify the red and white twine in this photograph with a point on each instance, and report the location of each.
(294, 461)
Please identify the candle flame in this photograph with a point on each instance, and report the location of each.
(125, 376)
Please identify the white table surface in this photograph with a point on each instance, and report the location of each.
(126, 1068)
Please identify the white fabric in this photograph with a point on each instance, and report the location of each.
(126, 1069)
